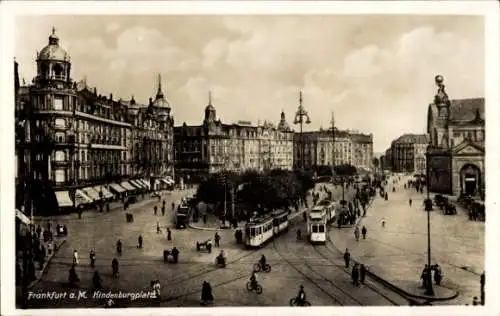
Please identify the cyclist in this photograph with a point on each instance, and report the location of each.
(253, 280)
(301, 296)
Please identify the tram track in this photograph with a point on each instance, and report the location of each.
(371, 287)
(340, 301)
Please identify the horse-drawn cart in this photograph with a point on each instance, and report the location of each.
(204, 245)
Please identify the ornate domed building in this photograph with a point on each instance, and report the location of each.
(79, 149)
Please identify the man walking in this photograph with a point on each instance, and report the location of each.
(363, 232)
(362, 273)
(356, 233)
(217, 240)
(347, 257)
(355, 275)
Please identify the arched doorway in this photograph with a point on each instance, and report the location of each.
(470, 179)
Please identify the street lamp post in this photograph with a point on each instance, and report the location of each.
(428, 207)
(299, 119)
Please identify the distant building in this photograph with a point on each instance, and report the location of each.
(214, 146)
(457, 148)
(388, 159)
(408, 153)
(320, 149)
(72, 143)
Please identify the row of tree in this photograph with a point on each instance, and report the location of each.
(276, 189)
(345, 170)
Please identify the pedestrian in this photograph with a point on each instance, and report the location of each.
(347, 257)
(119, 247)
(438, 274)
(155, 209)
(169, 234)
(410, 201)
(356, 233)
(163, 210)
(92, 258)
(482, 282)
(75, 257)
(158, 230)
(217, 240)
(362, 273)
(139, 240)
(364, 231)
(175, 255)
(424, 276)
(475, 301)
(173, 206)
(383, 223)
(355, 275)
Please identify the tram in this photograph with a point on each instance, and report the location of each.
(260, 230)
(318, 219)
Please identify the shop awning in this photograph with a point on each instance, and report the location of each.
(170, 180)
(146, 183)
(117, 188)
(127, 186)
(63, 199)
(105, 192)
(82, 198)
(93, 194)
(23, 218)
(137, 184)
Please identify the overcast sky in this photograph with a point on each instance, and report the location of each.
(375, 72)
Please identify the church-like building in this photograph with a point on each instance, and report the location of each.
(456, 150)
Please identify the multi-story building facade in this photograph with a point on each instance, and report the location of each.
(388, 160)
(322, 148)
(408, 153)
(214, 146)
(457, 144)
(74, 141)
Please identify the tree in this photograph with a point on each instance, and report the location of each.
(323, 170)
(345, 170)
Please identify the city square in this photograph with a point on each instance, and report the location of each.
(180, 192)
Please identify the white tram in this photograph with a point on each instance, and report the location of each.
(260, 230)
(319, 217)
(280, 221)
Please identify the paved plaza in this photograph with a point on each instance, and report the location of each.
(398, 252)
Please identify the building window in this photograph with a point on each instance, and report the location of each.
(60, 156)
(58, 104)
(60, 176)
(60, 123)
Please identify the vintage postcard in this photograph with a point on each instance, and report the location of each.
(192, 156)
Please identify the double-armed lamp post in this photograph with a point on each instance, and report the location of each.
(301, 117)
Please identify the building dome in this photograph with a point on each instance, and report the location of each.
(53, 51)
(209, 107)
(283, 124)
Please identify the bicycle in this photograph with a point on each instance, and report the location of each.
(254, 287)
(293, 302)
(258, 267)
